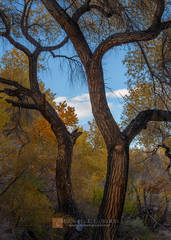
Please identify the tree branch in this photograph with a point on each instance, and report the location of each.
(55, 47)
(24, 23)
(19, 92)
(25, 27)
(86, 7)
(5, 22)
(64, 56)
(70, 26)
(23, 105)
(15, 92)
(7, 34)
(11, 83)
(128, 37)
(140, 122)
(12, 182)
(75, 134)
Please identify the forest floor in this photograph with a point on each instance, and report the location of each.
(128, 234)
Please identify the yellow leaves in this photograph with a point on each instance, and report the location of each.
(89, 167)
(43, 129)
(15, 67)
(3, 113)
(26, 202)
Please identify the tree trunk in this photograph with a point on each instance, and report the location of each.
(66, 203)
(111, 208)
(118, 156)
(65, 144)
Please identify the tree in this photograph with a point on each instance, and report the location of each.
(27, 171)
(69, 16)
(29, 96)
(15, 64)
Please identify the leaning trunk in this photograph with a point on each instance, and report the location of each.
(111, 208)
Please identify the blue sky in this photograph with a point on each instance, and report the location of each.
(56, 78)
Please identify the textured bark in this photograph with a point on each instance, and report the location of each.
(66, 203)
(114, 193)
(118, 157)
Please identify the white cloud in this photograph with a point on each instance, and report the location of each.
(60, 99)
(84, 97)
(82, 103)
(118, 93)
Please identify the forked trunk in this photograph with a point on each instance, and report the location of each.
(111, 208)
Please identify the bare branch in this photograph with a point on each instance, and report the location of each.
(18, 45)
(55, 47)
(7, 34)
(22, 105)
(25, 27)
(24, 23)
(123, 38)
(63, 56)
(158, 13)
(12, 182)
(6, 23)
(70, 26)
(11, 83)
(19, 92)
(140, 122)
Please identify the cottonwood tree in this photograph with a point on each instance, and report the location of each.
(69, 16)
(16, 29)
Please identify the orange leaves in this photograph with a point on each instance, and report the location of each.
(42, 129)
(67, 114)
